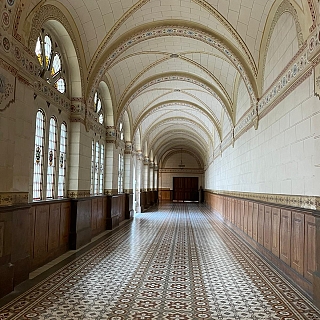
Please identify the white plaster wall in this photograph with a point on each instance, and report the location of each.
(16, 139)
(282, 48)
(188, 160)
(243, 101)
(281, 157)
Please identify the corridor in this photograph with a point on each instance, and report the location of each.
(177, 262)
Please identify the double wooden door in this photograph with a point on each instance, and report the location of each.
(185, 189)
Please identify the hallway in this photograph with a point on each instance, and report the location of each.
(176, 262)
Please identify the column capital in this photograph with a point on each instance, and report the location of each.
(111, 134)
(128, 147)
(146, 161)
(151, 164)
(155, 167)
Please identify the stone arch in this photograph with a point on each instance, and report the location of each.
(107, 104)
(58, 19)
(276, 12)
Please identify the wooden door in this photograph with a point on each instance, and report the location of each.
(185, 189)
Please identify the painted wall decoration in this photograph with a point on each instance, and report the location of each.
(7, 89)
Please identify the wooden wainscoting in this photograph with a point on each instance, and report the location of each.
(286, 236)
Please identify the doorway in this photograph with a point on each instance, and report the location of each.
(185, 189)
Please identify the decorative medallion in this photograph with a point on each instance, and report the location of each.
(17, 53)
(61, 160)
(50, 158)
(5, 20)
(10, 2)
(6, 44)
(38, 154)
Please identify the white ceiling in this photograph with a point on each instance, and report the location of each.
(181, 100)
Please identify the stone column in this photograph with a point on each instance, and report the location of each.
(79, 155)
(155, 182)
(138, 181)
(111, 165)
(150, 190)
(128, 179)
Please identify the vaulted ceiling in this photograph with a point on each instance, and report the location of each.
(173, 65)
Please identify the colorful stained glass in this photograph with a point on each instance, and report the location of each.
(38, 163)
(51, 158)
(62, 161)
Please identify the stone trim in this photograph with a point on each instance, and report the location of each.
(13, 198)
(76, 194)
(298, 201)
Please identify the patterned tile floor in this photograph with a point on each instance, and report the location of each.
(176, 263)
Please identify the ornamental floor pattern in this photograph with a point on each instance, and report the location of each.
(178, 262)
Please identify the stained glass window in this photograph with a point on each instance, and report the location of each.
(52, 146)
(92, 169)
(101, 169)
(38, 156)
(98, 107)
(50, 60)
(97, 169)
(120, 174)
(121, 130)
(62, 161)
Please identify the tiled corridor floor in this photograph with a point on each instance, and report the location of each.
(176, 263)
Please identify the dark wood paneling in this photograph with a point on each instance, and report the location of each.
(261, 224)
(65, 223)
(54, 227)
(310, 247)
(185, 188)
(250, 217)
(255, 216)
(241, 214)
(285, 236)
(275, 231)
(267, 228)
(297, 241)
(245, 217)
(40, 243)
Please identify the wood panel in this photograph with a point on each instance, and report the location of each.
(245, 217)
(54, 227)
(255, 216)
(232, 211)
(237, 213)
(285, 236)
(40, 238)
(94, 214)
(310, 247)
(267, 228)
(261, 224)
(65, 223)
(250, 217)
(297, 241)
(185, 188)
(241, 214)
(275, 229)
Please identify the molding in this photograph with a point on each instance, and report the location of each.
(110, 192)
(297, 201)
(177, 170)
(77, 194)
(13, 198)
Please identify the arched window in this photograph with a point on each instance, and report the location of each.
(62, 161)
(98, 108)
(92, 167)
(52, 149)
(38, 156)
(101, 169)
(120, 173)
(48, 53)
(121, 131)
(97, 167)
